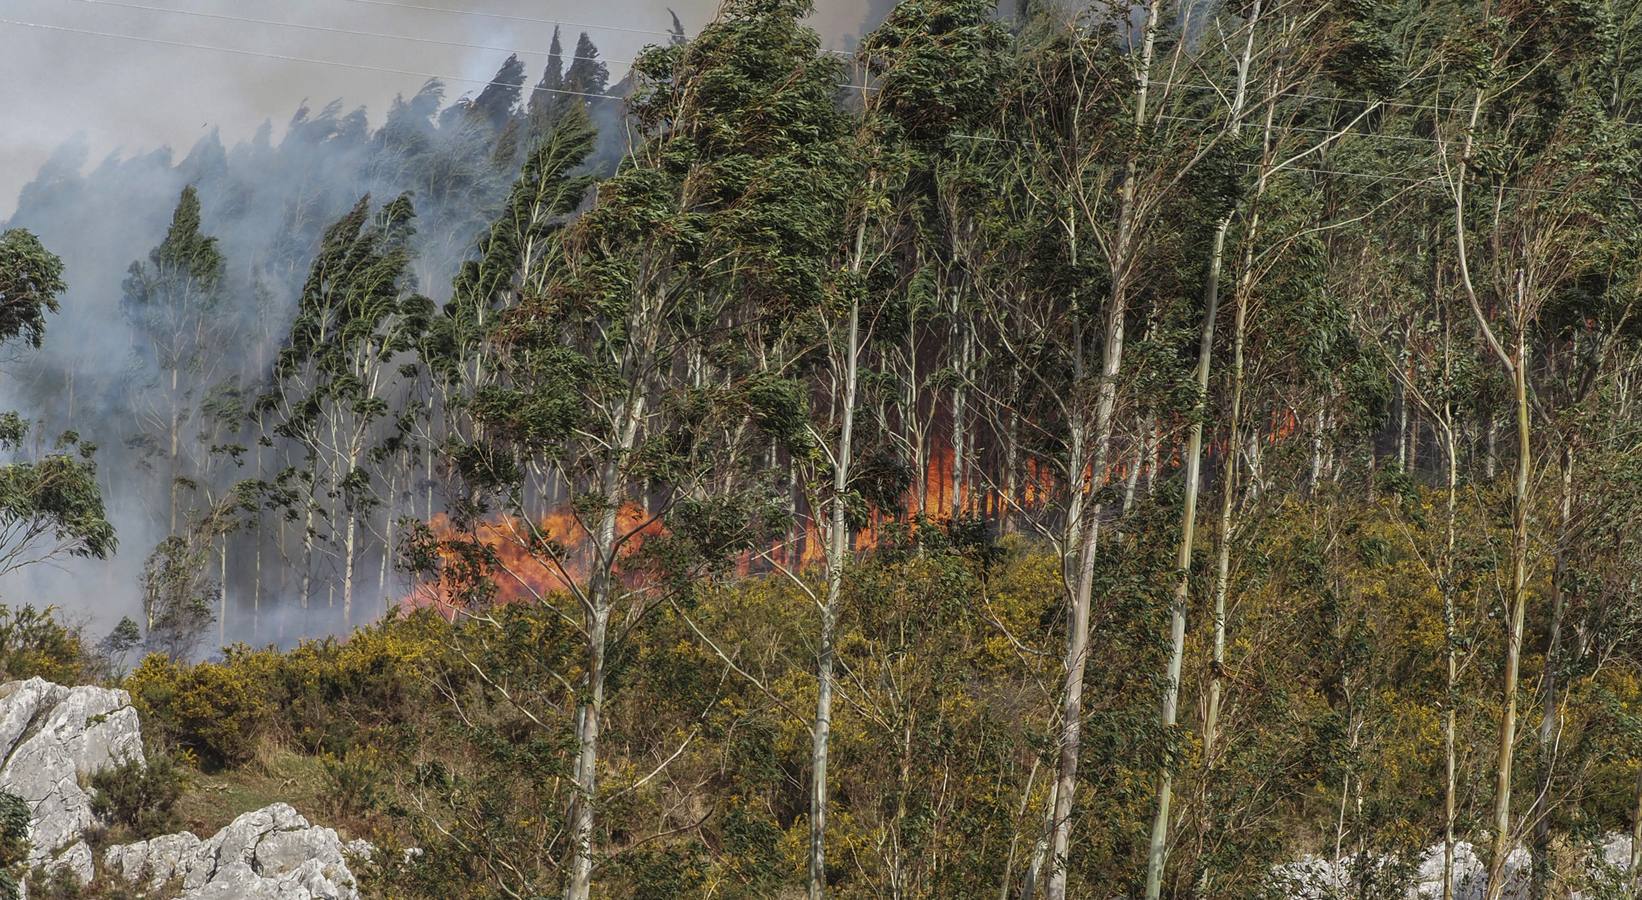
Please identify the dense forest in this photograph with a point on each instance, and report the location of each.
(1150, 449)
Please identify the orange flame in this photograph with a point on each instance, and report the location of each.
(529, 563)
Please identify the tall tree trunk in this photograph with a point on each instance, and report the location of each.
(1450, 626)
(1077, 648)
(596, 619)
(960, 410)
(175, 429)
(256, 586)
(1500, 848)
(837, 549)
(1183, 565)
(222, 590)
(349, 547)
(1549, 716)
(1158, 848)
(307, 553)
(1635, 872)
(1450, 785)
(1516, 368)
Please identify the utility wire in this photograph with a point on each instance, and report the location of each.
(538, 21)
(390, 70)
(348, 31)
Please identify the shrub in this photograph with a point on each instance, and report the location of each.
(34, 642)
(355, 782)
(140, 798)
(14, 843)
(216, 711)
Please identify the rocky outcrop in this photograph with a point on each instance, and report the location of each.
(1317, 878)
(54, 738)
(269, 854)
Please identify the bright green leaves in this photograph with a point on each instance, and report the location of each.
(53, 505)
(31, 277)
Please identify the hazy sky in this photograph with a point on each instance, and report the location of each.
(125, 92)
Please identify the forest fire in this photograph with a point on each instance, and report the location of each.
(501, 560)
(508, 560)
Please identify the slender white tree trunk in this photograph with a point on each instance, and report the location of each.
(222, 590)
(1158, 849)
(1077, 648)
(349, 546)
(596, 624)
(838, 546)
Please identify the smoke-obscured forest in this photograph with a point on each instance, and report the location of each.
(184, 277)
(1150, 449)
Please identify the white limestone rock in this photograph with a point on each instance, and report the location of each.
(51, 739)
(266, 854)
(155, 861)
(1319, 878)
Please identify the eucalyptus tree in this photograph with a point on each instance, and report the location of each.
(1085, 116)
(1542, 159)
(938, 68)
(175, 305)
(611, 372)
(50, 506)
(340, 382)
(1194, 460)
(31, 278)
(515, 257)
(930, 64)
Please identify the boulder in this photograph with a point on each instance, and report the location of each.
(52, 738)
(266, 854)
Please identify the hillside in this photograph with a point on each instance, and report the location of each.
(1147, 450)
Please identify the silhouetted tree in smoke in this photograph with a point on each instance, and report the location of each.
(496, 102)
(50, 506)
(172, 304)
(339, 391)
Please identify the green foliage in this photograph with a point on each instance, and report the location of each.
(139, 798)
(52, 506)
(14, 843)
(178, 595)
(213, 714)
(120, 641)
(30, 280)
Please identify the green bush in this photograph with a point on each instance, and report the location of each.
(34, 642)
(215, 712)
(14, 843)
(141, 798)
(355, 782)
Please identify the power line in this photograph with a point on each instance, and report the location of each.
(335, 30)
(348, 31)
(1296, 128)
(510, 18)
(390, 70)
(532, 19)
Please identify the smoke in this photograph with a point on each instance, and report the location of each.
(278, 149)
